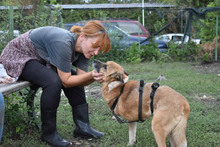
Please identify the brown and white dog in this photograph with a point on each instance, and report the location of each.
(170, 108)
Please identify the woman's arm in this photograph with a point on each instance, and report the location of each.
(81, 79)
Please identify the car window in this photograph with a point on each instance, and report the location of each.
(119, 39)
(110, 30)
(177, 38)
(164, 38)
(130, 28)
(115, 31)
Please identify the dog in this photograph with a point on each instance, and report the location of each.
(170, 109)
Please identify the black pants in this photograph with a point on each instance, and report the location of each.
(40, 75)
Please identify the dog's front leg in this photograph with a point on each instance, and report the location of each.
(132, 133)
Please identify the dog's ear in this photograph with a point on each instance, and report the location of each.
(105, 66)
(117, 76)
(126, 73)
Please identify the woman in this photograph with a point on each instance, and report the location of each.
(44, 56)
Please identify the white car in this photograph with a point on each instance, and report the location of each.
(176, 38)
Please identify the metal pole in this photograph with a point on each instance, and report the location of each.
(216, 42)
(139, 45)
(143, 12)
(11, 23)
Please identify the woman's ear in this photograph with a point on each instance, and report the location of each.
(82, 36)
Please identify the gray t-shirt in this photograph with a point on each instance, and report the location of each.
(57, 47)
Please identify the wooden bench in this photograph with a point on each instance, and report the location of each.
(8, 88)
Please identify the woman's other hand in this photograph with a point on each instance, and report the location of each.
(97, 76)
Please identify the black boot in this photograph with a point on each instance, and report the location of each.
(81, 119)
(49, 130)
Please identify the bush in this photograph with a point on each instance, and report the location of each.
(184, 52)
(114, 54)
(150, 53)
(207, 50)
(134, 54)
(16, 116)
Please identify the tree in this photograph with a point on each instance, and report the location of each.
(209, 30)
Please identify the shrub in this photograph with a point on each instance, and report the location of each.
(114, 54)
(150, 52)
(134, 54)
(16, 116)
(184, 52)
(207, 50)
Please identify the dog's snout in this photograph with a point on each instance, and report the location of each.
(96, 65)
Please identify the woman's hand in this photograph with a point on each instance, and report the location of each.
(97, 76)
(81, 79)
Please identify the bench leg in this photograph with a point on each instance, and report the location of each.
(30, 103)
(2, 114)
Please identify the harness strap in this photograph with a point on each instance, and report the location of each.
(139, 107)
(114, 105)
(116, 101)
(154, 87)
(140, 100)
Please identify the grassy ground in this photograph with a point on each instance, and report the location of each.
(199, 87)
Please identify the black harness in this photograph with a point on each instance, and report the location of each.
(141, 87)
(154, 87)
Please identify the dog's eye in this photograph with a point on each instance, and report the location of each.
(105, 67)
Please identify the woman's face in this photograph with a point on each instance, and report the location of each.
(86, 47)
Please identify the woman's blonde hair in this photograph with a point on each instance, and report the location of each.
(95, 28)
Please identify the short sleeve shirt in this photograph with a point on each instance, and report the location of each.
(57, 47)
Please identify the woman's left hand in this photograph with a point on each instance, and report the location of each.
(97, 76)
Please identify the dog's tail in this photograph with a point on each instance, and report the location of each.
(186, 110)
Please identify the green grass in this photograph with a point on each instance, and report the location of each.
(203, 129)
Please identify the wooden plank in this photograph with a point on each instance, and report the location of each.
(8, 88)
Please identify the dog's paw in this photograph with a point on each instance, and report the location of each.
(131, 143)
(113, 117)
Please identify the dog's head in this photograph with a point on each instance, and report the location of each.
(111, 70)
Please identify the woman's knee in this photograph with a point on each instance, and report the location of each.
(51, 94)
(54, 82)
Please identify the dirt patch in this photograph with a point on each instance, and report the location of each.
(209, 68)
(207, 99)
(95, 91)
